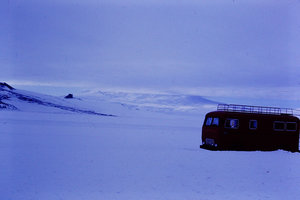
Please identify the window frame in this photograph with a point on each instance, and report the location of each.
(213, 121)
(206, 120)
(284, 126)
(230, 127)
(291, 129)
(253, 120)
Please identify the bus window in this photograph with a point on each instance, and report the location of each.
(253, 124)
(215, 122)
(279, 126)
(291, 126)
(232, 123)
(208, 121)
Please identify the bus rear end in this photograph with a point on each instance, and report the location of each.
(211, 132)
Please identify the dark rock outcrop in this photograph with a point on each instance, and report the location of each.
(7, 106)
(69, 96)
(3, 85)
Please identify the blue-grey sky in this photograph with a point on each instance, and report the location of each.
(160, 45)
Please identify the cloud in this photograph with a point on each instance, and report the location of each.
(154, 44)
(162, 2)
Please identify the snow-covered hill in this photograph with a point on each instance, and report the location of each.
(155, 102)
(13, 99)
(52, 148)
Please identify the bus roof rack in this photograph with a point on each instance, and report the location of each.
(255, 109)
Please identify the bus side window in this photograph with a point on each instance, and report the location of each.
(253, 124)
(232, 123)
(291, 126)
(279, 126)
(208, 121)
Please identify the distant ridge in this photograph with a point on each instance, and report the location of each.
(156, 102)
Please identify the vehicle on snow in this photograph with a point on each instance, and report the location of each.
(244, 127)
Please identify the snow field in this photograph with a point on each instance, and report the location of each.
(148, 156)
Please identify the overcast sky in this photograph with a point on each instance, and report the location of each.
(160, 45)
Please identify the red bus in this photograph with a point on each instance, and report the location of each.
(243, 127)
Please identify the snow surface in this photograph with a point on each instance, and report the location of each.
(142, 152)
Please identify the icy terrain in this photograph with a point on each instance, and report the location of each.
(110, 146)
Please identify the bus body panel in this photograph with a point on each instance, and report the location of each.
(250, 131)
